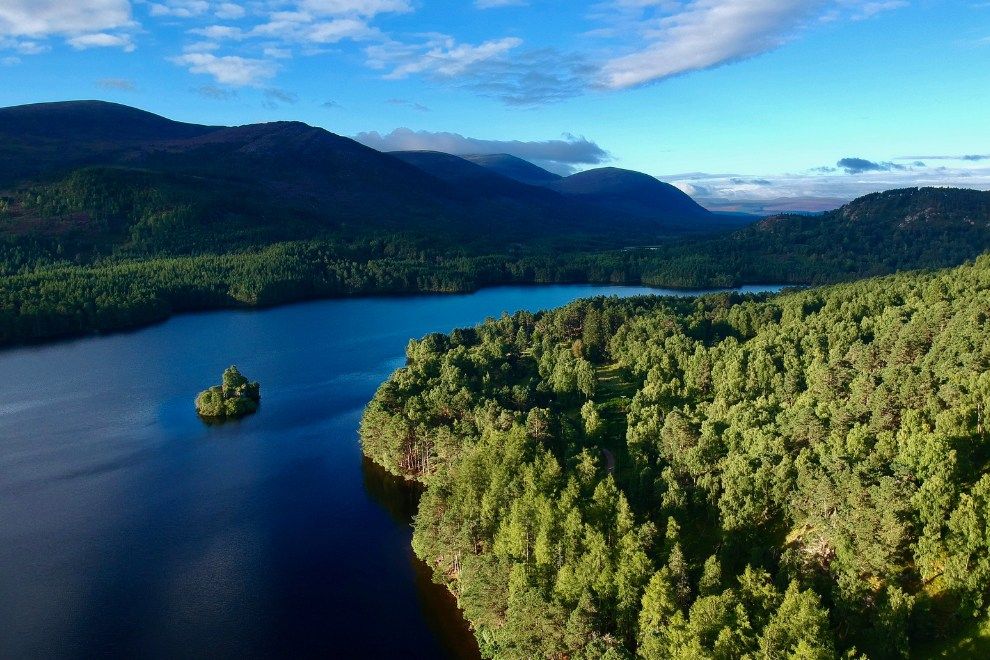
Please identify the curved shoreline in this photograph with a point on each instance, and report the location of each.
(242, 307)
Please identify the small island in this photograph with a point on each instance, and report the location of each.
(233, 399)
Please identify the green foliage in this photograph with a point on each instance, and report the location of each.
(234, 398)
(817, 460)
(107, 248)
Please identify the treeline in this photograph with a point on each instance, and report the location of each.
(41, 299)
(795, 476)
(109, 248)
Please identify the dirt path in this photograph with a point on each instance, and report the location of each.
(609, 460)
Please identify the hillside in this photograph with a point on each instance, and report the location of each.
(514, 168)
(475, 181)
(796, 476)
(142, 217)
(633, 192)
(639, 203)
(130, 182)
(875, 234)
(49, 139)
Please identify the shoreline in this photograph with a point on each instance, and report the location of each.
(681, 292)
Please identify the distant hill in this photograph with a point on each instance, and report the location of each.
(933, 212)
(615, 197)
(633, 192)
(92, 122)
(471, 179)
(514, 168)
(42, 139)
(111, 217)
(872, 235)
(101, 177)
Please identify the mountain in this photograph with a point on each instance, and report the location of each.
(873, 235)
(607, 197)
(937, 214)
(631, 192)
(616, 191)
(97, 178)
(471, 179)
(104, 178)
(44, 138)
(91, 122)
(514, 168)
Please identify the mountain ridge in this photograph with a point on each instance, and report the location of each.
(310, 178)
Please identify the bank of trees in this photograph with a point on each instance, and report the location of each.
(798, 476)
(233, 398)
(110, 248)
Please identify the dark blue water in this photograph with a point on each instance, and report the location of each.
(130, 528)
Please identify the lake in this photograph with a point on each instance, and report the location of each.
(130, 528)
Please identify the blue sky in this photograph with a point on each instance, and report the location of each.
(787, 103)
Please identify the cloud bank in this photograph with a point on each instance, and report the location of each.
(628, 43)
(860, 165)
(820, 188)
(562, 155)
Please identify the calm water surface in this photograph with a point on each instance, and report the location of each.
(130, 528)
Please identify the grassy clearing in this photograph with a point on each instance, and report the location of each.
(971, 642)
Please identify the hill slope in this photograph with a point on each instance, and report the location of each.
(633, 192)
(94, 178)
(471, 179)
(875, 234)
(514, 168)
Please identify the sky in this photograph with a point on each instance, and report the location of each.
(744, 104)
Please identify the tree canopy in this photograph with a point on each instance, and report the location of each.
(235, 397)
(802, 475)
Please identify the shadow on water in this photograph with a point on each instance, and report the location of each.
(400, 498)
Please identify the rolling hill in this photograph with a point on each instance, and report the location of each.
(111, 217)
(514, 168)
(635, 193)
(101, 178)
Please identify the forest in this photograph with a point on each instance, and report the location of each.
(802, 475)
(126, 265)
(112, 217)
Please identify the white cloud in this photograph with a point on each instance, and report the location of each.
(84, 24)
(440, 55)
(335, 30)
(818, 188)
(218, 32)
(117, 84)
(706, 33)
(280, 29)
(229, 11)
(676, 37)
(869, 9)
(560, 155)
(102, 40)
(228, 69)
(200, 47)
(366, 8)
(23, 46)
(179, 8)
(42, 18)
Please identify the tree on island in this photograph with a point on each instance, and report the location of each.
(234, 398)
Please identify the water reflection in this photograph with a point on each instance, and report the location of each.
(400, 498)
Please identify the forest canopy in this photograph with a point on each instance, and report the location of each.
(234, 398)
(95, 254)
(796, 476)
